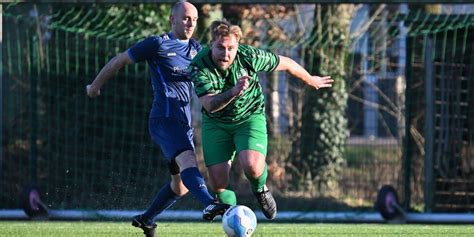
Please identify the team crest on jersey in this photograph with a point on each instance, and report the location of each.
(193, 53)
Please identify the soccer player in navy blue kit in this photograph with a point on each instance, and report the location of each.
(168, 57)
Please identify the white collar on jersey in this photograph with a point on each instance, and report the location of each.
(170, 34)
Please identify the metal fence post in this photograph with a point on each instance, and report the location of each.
(33, 117)
(429, 124)
(406, 142)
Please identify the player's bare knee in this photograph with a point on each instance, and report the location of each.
(253, 169)
(186, 159)
(253, 172)
(252, 162)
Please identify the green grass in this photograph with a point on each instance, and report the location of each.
(60, 228)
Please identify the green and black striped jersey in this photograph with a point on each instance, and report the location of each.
(208, 79)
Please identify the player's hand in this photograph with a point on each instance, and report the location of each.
(92, 91)
(321, 82)
(242, 85)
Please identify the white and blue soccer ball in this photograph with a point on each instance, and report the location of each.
(239, 221)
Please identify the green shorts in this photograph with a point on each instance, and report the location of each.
(220, 140)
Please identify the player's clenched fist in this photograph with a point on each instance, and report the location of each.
(92, 91)
(242, 85)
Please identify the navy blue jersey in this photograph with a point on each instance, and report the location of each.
(168, 59)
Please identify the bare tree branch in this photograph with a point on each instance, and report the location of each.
(374, 105)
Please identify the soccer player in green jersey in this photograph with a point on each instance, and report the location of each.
(233, 115)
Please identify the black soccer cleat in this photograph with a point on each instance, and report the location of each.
(213, 210)
(267, 203)
(148, 230)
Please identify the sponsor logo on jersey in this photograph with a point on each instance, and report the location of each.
(180, 70)
(171, 54)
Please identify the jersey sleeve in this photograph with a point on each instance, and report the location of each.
(261, 60)
(145, 49)
(201, 81)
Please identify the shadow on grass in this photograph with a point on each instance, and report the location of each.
(328, 204)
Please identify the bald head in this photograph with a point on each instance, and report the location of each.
(181, 5)
(183, 19)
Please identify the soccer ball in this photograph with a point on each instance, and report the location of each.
(239, 221)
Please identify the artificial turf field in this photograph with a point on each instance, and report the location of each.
(78, 228)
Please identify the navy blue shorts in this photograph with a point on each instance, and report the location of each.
(172, 135)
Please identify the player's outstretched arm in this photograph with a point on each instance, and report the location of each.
(107, 72)
(296, 70)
